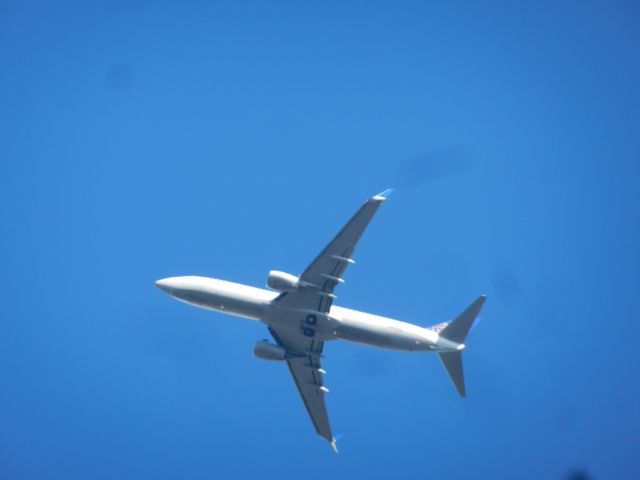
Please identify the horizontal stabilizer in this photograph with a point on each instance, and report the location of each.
(457, 330)
(452, 362)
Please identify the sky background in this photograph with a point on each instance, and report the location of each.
(146, 139)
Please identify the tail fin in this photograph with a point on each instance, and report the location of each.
(456, 331)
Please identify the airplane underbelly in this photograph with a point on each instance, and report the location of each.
(237, 306)
(354, 333)
(379, 331)
(223, 302)
(378, 335)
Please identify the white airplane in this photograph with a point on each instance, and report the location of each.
(300, 315)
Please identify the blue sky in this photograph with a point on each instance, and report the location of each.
(148, 139)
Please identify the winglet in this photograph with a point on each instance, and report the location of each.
(333, 445)
(383, 195)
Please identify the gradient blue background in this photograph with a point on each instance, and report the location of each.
(145, 139)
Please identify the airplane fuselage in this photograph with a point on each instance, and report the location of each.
(339, 323)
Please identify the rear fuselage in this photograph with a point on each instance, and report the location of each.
(340, 323)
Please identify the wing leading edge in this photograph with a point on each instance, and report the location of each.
(303, 361)
(322, 275)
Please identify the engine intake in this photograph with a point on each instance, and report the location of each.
(282, 281)
(266, 350)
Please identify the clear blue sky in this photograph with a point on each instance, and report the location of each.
(145, 139)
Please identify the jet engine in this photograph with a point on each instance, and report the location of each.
(282, 282)
(266, 350)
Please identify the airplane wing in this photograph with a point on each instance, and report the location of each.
(325, 272)
(304, 364)
(316, 293)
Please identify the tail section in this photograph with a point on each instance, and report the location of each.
(455, 332)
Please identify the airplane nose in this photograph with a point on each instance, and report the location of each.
(165, 285)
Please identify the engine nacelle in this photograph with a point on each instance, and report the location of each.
(266, 350)
(282, 281)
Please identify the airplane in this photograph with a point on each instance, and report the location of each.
(300, 316)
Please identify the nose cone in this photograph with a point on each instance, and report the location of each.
(165, 284)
